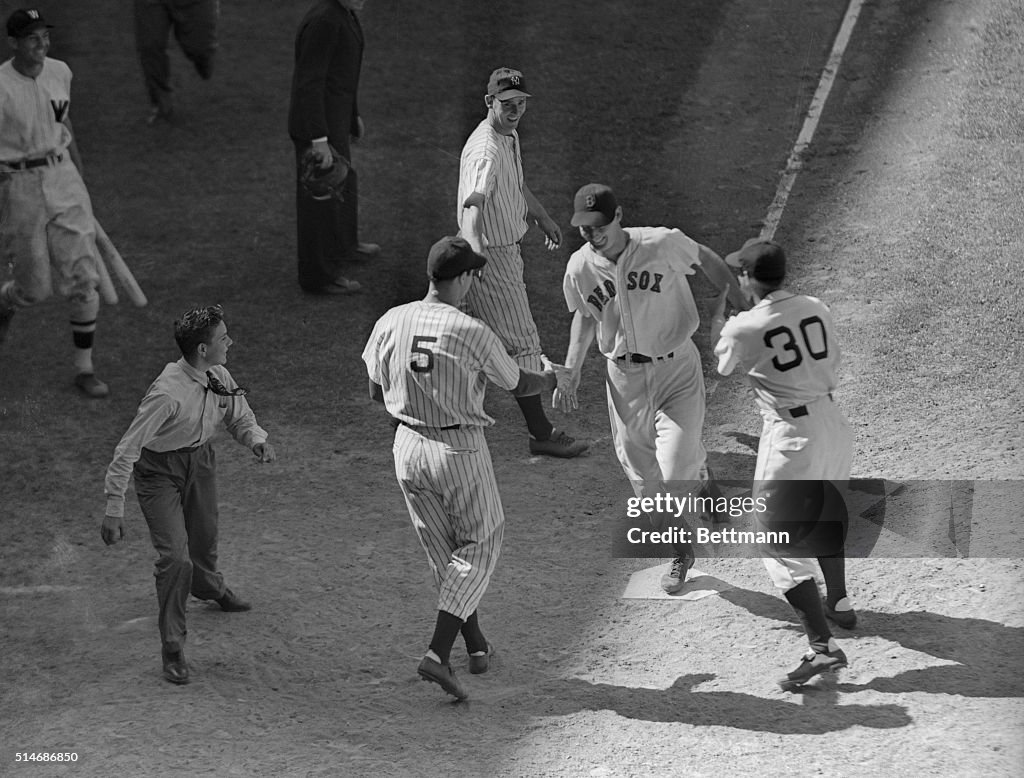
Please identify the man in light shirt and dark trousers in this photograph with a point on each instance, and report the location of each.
(168, 449)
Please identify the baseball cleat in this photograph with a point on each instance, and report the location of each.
(443, 676)
(479, 663)
(231, 602)
(558, 445)
(89, 385)
(813, 664)
(675, 579)
(842, 614)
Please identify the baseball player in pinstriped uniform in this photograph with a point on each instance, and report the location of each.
(493, 206)
(428, 363)
(628, 287)
(787, 346)
(47, 230)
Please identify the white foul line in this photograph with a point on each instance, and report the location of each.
(795, 161)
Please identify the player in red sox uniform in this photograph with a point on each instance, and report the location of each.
(429, 362)
(629, 288)
(787, 346)
(47, 230)
(493, 206)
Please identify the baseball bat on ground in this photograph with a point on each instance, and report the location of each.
(113, 258)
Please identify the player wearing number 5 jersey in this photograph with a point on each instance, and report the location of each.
(429, 363)
(787, 345)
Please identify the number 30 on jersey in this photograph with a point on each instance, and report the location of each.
(788, 353)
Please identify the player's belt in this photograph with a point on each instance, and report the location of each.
(642, 359)
(799, 411)
(426, 427)
(28, 164)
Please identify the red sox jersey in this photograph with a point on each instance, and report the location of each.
(788, 346)
(32, 111)
(642, 302)
(433, 361)
(491, 165)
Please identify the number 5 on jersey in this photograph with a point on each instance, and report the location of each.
(418, 364)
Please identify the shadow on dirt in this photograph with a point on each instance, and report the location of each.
(986, 653)
(681, 704)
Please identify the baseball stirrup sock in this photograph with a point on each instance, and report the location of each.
(807, 604)
(833, 568)
(82, 334)
(476, 643)
(445, 631)
(536, 422)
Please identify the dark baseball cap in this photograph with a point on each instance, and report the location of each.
(761, 259)
(25, 20)
(505, 83)
(451, 257)
(594, 206)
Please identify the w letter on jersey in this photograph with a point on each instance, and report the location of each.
(60, 109)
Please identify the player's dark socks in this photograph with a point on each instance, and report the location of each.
(82, 333)
(445, 631)
(475, 640)
(833, 568)
(536, 421)
(807, 603)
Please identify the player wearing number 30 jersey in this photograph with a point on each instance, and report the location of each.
(788, 347)
(429, 363)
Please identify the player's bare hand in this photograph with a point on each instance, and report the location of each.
(112, 529)
(564, 396)
(360, 130)
(265, 452)
(552, 233)
(322, 150)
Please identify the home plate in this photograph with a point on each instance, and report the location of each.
(646, 585)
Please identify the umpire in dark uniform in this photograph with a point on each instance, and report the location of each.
(324, 114)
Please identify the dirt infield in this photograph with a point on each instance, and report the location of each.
(906, 220)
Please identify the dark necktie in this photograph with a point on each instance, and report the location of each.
(217, 387)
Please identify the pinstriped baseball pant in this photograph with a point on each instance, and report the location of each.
(499, 300)
(448, 482)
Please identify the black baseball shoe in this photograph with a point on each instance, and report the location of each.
(813, 663)
(443, 676)
(558, 445)
(480, 663)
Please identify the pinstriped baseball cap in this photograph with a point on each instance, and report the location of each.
(23, 21)
(450, 257)
(505, 83)
(762, 260)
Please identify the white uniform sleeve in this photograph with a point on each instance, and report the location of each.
(497, 365)
(371, 353)
(729, 350)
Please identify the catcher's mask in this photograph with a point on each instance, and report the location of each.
(324, 183)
